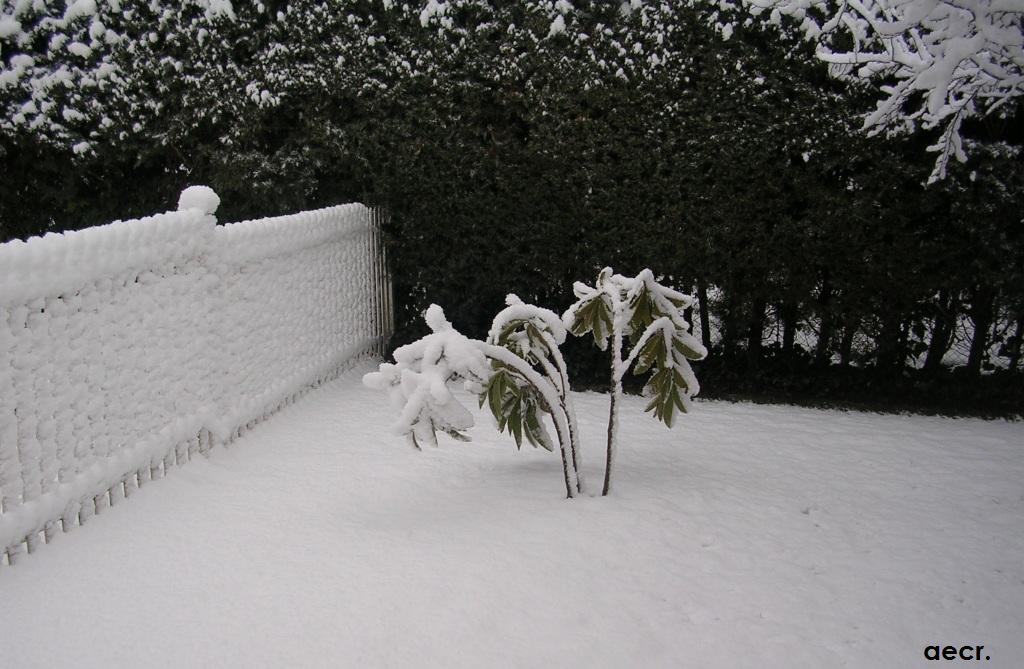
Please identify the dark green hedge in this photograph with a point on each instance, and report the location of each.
(518, 164)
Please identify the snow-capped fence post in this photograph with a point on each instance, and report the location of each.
(128, 348)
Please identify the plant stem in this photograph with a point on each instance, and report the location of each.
(613, 409)
(549, 396)
(567, 407)
(569, 492)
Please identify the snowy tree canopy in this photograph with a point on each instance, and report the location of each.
(99, 72)
(108, 72)
(935, 62)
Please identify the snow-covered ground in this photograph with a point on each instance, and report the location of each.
(749, 536)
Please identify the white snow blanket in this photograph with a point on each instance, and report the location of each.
(748, 536)
(125, 347)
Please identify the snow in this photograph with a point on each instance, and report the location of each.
(216, 8)
(431, 9)
(557, 26)
(199, 197)
(750, 536)
(79, 49)
(516, 311)
(419, 382)
(78, 9)
(9, 26)
(62, 263)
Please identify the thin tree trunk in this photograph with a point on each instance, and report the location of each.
(563, 450)
(1016, 344)
(787, 312)
(569, 493)
(731, 324)
(574, 446)
(821, 352)
(563, 443)
(560, 377)
(688, 312)
(888, 351)
(702, 308)
(755, 332)
(942, 332)
(981, 314)
(846, 344)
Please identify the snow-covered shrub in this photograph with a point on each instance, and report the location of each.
(518, 373)
(534, 334)
(651, 316)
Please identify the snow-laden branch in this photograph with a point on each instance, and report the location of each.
(936, 62)
(418, 381)
(663, 327)
(535, 334)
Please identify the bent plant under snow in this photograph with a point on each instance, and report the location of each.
(520, 376)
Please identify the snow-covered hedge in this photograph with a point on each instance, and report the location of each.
(127, 348)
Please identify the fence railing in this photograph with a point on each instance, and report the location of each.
(126, 349)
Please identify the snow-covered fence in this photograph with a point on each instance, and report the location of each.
(128, 348)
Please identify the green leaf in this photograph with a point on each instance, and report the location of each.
(456, 435)
(666, 388)
(685, 349)
(492, 395)
(680, 403)
(653, 351)
(534, 430)
(594, 316)
(517, 430)
(642, 312)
